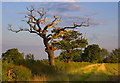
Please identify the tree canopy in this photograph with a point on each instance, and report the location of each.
(12, 55)
(105, 52)
(92, 54)
(75, 55)
(113, 56)
(71, 41)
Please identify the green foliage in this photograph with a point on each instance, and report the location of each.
(113, 57)
(92, 54)
(75, 55)
(5, 68)
(12, 56)
(29, 56)
(70, 43)
(11, 72)
(116, 54)
(59, 66)
(63, 56)
(70, 40)
(22, 73)
(105, 52)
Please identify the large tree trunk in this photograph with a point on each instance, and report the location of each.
(50, 51)
(69, 56)
(51, 57)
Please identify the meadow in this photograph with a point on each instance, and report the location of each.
(74, 71)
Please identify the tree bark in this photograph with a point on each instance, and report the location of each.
(51, 57)
(69, 56)
(50, 52)
(68, 60)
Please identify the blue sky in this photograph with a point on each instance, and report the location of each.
(60, 0)
(103, 16)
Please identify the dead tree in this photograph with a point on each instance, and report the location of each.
(36, 24)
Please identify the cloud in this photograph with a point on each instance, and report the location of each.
(65, 7)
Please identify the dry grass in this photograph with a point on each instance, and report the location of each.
(39, 78)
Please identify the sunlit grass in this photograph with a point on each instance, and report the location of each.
(82, 74)
(113, 71)
(74, 71)
(39, 78)
(112, 68)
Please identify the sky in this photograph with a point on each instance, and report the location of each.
(103, 16)
(60, 0)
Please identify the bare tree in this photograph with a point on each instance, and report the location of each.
(39, 25)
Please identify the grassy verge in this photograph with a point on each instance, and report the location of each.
(112, 70)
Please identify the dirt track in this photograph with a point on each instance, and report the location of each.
(90, 66)
(102, 67)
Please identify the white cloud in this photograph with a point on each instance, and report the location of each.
(67, 7)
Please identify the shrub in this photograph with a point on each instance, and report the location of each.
(59, 66)
(11, 72)
(5, 68)
(22, 73)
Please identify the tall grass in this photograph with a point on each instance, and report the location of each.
(39, 78)
(113, 71)
(112, 68)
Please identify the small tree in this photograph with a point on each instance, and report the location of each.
(29, 56)
(105, 52)
(71, 41)
(116, 53)
(39, 24)
(113, 57)
(92, 54)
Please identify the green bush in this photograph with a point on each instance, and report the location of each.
(59, 65)
(5, 68)
(22, 73)
(11, 72)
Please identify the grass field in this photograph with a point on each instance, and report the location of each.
(93, 72)
(74, 71)
(113, 71)
(88, 72)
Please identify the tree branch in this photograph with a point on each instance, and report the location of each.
(16, 31)
(56, 20)
(82, 24)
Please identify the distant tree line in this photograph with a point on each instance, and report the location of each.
(92, 53)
